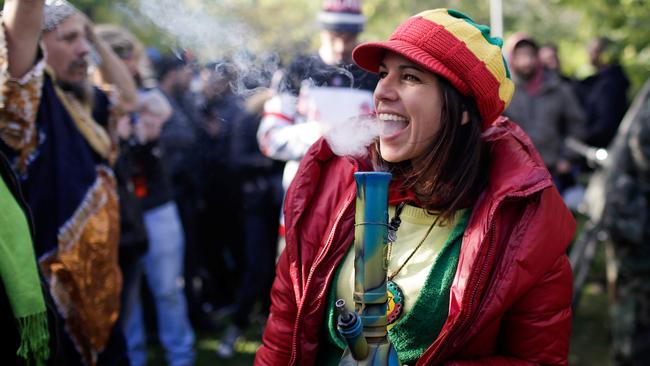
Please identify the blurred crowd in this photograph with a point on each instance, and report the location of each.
(199, 157)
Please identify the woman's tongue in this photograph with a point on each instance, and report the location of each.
(391, 127)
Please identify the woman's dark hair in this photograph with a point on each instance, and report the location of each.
(452, 171)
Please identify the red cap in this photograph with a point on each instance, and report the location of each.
(451, 45)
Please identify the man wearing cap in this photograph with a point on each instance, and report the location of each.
(292, 119)
(317, 90)
(54, 129)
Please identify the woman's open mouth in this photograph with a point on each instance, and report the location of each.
(392, 124)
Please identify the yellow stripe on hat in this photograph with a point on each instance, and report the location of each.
(488, 53)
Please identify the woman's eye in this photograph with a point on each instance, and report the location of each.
(409, 77)
(382, 74)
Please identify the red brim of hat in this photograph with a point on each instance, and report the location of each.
(369, 56)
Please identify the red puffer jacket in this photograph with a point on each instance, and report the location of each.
(511, 296)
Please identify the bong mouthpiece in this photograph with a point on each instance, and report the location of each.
(345, 317)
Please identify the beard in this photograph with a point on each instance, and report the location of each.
(526, 73)
(83, 90)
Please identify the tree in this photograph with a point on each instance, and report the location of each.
(624, 22)
(217, 29)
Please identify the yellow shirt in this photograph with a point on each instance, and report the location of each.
(415, 224)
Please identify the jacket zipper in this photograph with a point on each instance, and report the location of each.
(319, 258)
(491, 249)
(482, 275)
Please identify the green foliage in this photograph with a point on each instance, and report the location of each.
(285, 27)
(624, 22)
(384, 16)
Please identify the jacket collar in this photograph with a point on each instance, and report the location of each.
(517, 168)
(517, 171)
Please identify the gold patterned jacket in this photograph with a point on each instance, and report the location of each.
(62, 150)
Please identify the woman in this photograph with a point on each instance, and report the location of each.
(480, 254)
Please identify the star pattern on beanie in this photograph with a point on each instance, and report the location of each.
(342, 15)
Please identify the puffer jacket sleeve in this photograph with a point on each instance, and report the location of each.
(278, 334)
(536, 329)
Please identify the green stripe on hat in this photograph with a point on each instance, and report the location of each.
(485, 31)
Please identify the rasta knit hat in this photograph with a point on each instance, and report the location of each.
(342, 15)
(451, 45)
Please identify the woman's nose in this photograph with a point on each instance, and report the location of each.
(385, 89)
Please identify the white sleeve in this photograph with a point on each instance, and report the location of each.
(281, 135)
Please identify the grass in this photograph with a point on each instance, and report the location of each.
(590, 336)
(589, 341)
(206, 347)
(207, 343)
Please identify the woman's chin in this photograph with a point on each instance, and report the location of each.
(391, 156)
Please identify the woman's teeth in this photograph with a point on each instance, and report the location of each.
(391, 117)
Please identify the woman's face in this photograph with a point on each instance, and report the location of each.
(408, 101)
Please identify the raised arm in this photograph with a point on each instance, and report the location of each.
(22, 20)
(113, 71)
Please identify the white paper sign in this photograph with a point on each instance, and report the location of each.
(333, 105)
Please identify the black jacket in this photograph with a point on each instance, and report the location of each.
(133, 235)
(260, 176)
(604, 98)
(314, 69)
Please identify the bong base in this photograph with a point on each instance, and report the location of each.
(379, 354)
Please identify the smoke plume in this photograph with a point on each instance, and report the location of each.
(352, 137)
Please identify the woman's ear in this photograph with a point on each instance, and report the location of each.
(465, 118)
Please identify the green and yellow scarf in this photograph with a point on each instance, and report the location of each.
(19, 275)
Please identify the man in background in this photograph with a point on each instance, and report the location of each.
(56, 130)
(301, 110)
(603, 95)
(292, 120)
(545, 107)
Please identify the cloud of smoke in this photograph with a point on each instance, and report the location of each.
(209, 35)
(353, 136)
(212, 36)
(219, 34)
